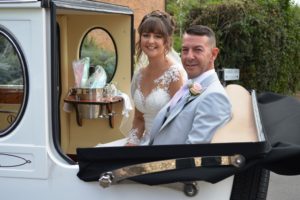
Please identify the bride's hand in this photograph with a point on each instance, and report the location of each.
(128, 144)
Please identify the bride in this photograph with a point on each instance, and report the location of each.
(158, 75)
(154, 85)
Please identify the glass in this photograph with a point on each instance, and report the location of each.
(99, 46)
(110, 91)
(11, 82)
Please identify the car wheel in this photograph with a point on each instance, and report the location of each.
(251, 184)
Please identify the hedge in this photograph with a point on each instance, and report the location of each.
(261, 38)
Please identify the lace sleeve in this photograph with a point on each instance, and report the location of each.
(172, 75)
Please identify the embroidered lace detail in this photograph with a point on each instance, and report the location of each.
(159, 96)
(132, 137)
(171, 75)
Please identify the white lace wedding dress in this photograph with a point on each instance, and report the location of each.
(159, 96)
(150, 105)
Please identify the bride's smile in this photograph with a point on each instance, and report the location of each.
(152, 44)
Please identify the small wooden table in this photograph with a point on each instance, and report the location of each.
(107, 102)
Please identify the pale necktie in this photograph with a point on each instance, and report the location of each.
(178, 95)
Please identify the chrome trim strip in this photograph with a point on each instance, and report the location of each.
(95, 6)
(259, 128)
(112, 177)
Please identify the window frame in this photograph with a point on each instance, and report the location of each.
(113, 42)
(14, 42)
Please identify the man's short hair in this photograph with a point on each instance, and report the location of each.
(202, 31)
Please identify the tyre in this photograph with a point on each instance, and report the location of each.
(251, 184)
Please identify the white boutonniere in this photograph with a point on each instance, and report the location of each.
(195, 89)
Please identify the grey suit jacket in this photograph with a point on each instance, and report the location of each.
(194, 119)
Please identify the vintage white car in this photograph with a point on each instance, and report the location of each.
(49, 124)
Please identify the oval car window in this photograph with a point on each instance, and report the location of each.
(99, 46)
(11, 83)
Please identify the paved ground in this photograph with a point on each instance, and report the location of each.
(284, 187)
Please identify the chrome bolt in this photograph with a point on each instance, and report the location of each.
(105, 179)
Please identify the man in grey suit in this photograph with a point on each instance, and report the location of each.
(201, 106)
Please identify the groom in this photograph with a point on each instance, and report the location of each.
(201, 106)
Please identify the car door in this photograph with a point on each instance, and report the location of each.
(22, 146)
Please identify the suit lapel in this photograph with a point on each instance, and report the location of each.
(175, 111)
(188, 99)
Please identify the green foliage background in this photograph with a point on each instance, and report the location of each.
(10, 67)
(99, 56)
(260, 37)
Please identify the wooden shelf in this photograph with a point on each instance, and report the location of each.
(107, 102)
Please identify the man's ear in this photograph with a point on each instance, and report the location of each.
(215, 52)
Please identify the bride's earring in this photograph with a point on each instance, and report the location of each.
(165, 53)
